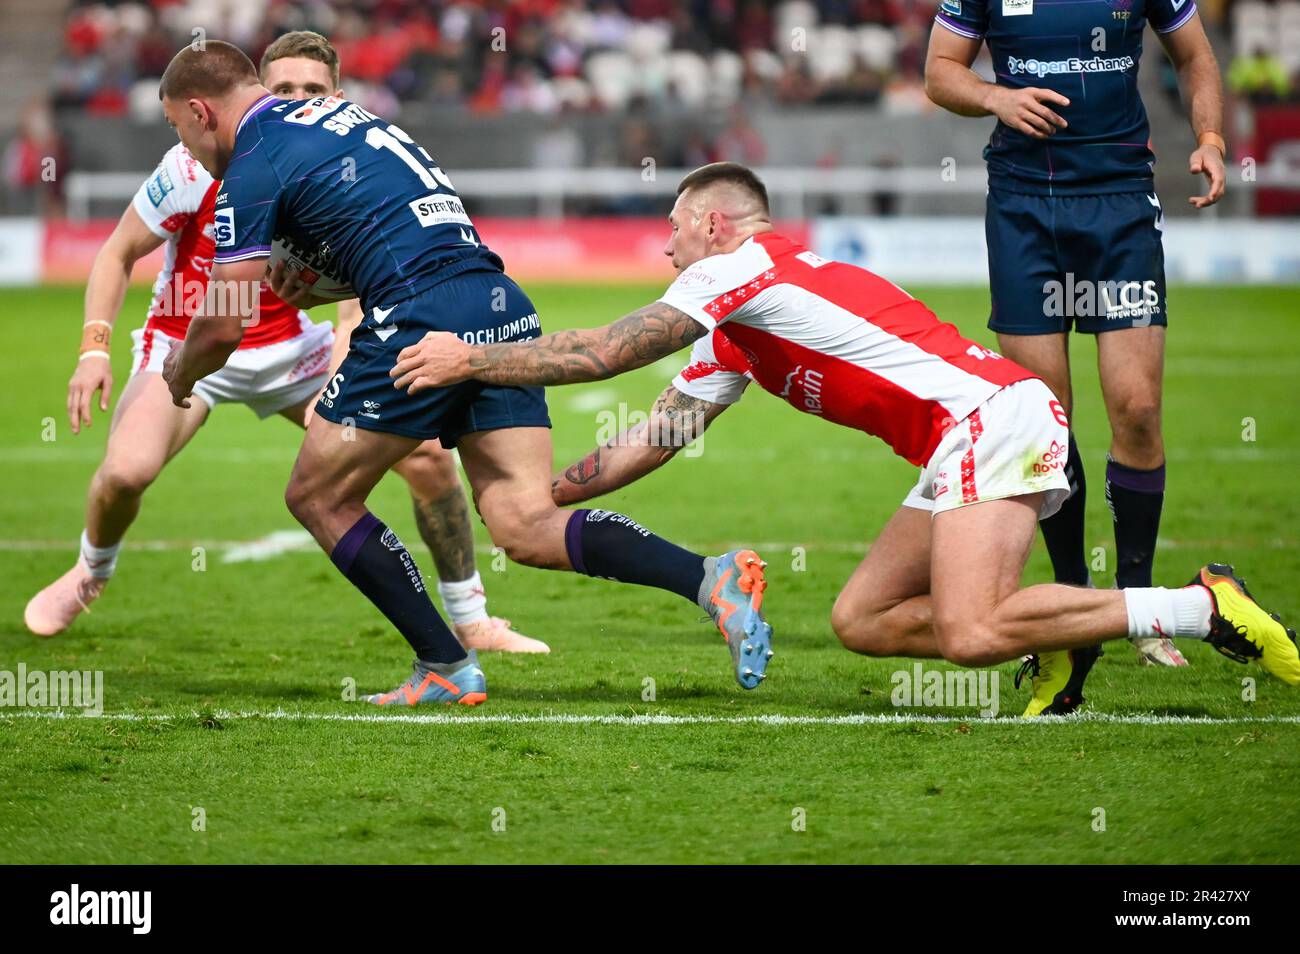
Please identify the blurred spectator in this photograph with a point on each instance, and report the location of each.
(740, 141)
(520, 55)
(1260, 77)
(558, 146)
(885, 201)
(35, 163)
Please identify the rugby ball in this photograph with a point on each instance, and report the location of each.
(314, 266)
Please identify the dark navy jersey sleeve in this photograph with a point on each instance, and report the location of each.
(968, 18)
(245, 218)
(1166, 16)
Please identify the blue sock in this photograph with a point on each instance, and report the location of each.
(371, 556)
(1136, 498)
(610, 545)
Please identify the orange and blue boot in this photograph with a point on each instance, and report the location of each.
(466, 686)
(732, 595)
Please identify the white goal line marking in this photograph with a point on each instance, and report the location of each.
(559, 718)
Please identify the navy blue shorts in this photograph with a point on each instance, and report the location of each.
(482, 307)
(1091, 261)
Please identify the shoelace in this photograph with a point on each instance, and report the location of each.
(1030, 667)
(87, 593)
(492, 622)
(1235, 645)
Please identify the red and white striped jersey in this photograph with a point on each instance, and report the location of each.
(177, 203)
(833, 340)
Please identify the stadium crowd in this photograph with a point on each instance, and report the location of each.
(1265, 63)
(553, 56)
(543, 56)
(632, 59)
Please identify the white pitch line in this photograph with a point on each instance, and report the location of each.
(297, 541)
(592, 400)
(854, 454)
(668, 720)
(271, 545)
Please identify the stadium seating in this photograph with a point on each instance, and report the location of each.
(568, 56)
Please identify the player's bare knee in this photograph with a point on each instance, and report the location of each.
(964, 640)
(1135, 421)
(514, 530)
(116, 479)
(971, 650)
(859, 629)
(305, 502)
(430, 473)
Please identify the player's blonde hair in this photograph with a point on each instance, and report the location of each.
(305, 44)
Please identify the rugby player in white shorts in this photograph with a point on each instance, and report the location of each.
(835, 341)
(280, 368)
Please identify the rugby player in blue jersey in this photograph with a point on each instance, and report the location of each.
(328, 175)
(1073, 226)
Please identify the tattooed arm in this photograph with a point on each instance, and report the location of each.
(565, 357)
(675, 421)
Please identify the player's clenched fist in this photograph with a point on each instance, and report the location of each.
(1027, 110)
(437, 360)
(179, 388)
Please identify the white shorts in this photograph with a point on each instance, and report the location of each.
(268, 379)
(1014, 443)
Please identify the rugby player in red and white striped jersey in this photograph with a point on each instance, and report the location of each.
(836, 341)
(283, 361)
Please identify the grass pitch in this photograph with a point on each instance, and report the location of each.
(223, 686)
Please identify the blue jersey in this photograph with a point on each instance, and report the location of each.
(368, 203)
(1087, 50)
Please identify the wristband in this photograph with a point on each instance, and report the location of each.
(95, 335)
(93, 353)
(1215, 140)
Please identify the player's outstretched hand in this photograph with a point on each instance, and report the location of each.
(1026, 110)
(93, 374)
(1207, 161)
(437, 360)
(180, 389)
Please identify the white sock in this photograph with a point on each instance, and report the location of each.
(1158, 611)
(101, 561)
(465, 601)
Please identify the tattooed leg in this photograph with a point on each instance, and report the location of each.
(445, 529)
(441, 511)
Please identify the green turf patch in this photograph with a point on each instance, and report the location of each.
(194, 655)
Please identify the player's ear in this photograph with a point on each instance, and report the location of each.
(338, 93)
(202, 113)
